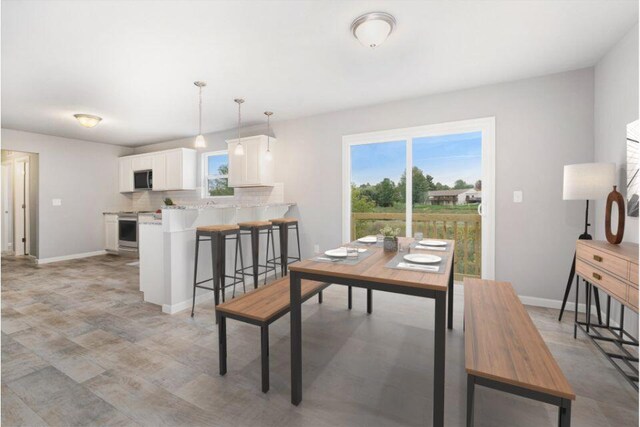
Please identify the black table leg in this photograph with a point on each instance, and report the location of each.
(214, 268)
(369, 301)
(450, 295)
(350, 297)
(223, 264)
(471, 383)
(222, 343)
(439, 359)
(264, 341)
(296, 338)
(320, 297)
(564, 413)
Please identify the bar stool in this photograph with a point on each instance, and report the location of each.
(283, 225)
(255, 229)
(217, 235)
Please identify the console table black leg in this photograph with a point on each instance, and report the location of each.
(596, 294)
(575, 321)
(470, 391)
(264, 340)
(572, 273)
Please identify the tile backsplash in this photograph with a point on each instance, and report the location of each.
(152, 200)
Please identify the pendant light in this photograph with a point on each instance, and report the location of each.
(200, 142)
(239, 151)
(268, 156)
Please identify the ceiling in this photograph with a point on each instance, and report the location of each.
(134, 62)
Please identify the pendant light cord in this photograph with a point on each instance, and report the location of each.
(200, 109)
(268, 132)
(239, 120)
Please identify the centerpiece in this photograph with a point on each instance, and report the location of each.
(390, 243)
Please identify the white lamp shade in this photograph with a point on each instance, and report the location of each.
(239, 151)
(200, 142)
(373, 33)
(588, 181)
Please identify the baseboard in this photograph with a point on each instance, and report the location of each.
(175, 308)
(69, 257)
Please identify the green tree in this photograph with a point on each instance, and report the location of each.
(220, 186)
(440, 186)
(360, 202)
(386, 193)
(421, 183)
(461, 184)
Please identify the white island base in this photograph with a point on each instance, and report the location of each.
(167, 252)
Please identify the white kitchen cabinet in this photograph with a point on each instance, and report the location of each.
(126, 174)
(172, 169)
(142, 163)
(159, 169)
(251, 169)
(111, 232)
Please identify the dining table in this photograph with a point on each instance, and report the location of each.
(375, 270)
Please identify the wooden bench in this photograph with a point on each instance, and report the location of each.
(261, 307)
(504, 350)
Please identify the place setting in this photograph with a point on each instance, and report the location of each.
(370, 240)
(430, 245)
(418, 262)
(348, 254)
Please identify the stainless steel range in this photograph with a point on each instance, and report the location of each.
(128, 231)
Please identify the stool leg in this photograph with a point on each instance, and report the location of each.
(273, 249)
(264, 340)
(298, 240)
(320, 297)
(214, 268)
(235, 269)
(369, 301)
(255, 246)
(244, 289)
(222, 256)
(195, 274)
(266, 260)
(284, 249)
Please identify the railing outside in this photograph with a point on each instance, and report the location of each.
(464, 229)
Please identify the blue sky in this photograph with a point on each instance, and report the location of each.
(446, 158)
(215, 162)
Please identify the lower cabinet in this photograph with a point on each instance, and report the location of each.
(111, 232)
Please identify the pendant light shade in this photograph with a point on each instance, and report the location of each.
(239, 151)
(268, 156)
(200, 142)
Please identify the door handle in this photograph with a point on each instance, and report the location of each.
(480, 208)
(597, 276)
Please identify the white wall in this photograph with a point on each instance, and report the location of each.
(541, 125)
(616, 104)
(85, 176)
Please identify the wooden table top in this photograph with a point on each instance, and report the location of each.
(626, 250)
(373, 269)
(503, 344)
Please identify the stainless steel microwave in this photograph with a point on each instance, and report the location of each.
(143, 180)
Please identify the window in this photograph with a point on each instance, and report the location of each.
(215, 167)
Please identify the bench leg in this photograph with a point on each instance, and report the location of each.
(471, 383)
(264, 340)
(222, 343)
(369, 301)
(350, 298)
(564, 414)
(320, 297)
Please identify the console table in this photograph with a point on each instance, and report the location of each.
(612, 269)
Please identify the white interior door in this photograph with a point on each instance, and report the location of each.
(7, 208)
(20, 237)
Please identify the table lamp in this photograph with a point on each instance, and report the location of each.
(586, 181)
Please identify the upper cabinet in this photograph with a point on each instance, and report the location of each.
(171, 169)
(252, 169)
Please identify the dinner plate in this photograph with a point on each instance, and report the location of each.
(341, 252)
(432, 242)
(368, 239)
(422, 258)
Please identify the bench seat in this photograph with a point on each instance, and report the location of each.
(261, 307)
(504, 350)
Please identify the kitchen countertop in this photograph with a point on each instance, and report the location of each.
(229, 205)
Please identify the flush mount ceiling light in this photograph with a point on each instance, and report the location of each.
(373, 28)
(87, 120)
(239, 151)
(200, 142)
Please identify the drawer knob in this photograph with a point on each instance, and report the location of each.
(597, 276)
(597, 258)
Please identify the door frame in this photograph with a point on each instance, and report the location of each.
(25, 190)
(485, 125)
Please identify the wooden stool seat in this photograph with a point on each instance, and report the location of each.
(254, 224)
(217, 228)
(284, 220)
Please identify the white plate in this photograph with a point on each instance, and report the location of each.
(368, 239)
(422, 258)
(432, 242)
(341, 252)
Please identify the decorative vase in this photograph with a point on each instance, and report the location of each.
(614, 197)
(390, 244)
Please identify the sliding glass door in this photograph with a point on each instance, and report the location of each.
(447, 195)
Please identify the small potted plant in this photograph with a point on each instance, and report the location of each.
(390, 243)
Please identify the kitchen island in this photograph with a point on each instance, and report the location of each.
(167, 249)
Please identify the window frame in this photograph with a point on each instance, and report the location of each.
(205, 176)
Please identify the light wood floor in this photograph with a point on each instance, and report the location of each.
(79, 347)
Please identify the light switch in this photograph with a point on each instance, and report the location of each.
(517, 196)
(56, 202)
